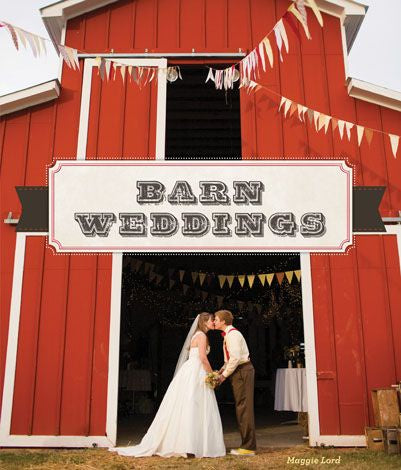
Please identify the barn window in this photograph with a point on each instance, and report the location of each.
(202, 122)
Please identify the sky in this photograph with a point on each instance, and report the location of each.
(375, 56)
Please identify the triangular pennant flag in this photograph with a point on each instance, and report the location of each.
(368, 135)
(394, 141)
(108, 67)
(316, 115)
(316, 11)
(21, 35)
(241, 279)
(194, 276)
(209, 279)
(348, 127)
(279, 40)
(185, 288)
(220, 299)
(269, 278)
(300, 112)
(102, 68)
(341, 125)
(309, 113)
(298, 16)
(283, 101)
(182, 272)
(204, 295)
(289, 275)
(251, 279)
(287, 106)
(334, 123)
(230, 280)
(300, 4)
(298, 274)
(280, 277)
(171, 283)
(359, 132)
(291, 23)
(13, 35)
(210, 76)
(326, 123)
(283, 34)
(202, 277)
(293, 108)
(222, 279)
(269, 50)
(262, 278)
(70, 52)
(262, 55)
(321, 121)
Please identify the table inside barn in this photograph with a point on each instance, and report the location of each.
(290, 391)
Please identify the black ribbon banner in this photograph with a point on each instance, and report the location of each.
(365, 209)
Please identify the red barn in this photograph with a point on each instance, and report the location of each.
(60, 314)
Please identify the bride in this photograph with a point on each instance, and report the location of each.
(188, 419)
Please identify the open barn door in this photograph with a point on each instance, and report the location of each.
(61, 377)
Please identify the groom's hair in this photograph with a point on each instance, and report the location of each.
(226, 316)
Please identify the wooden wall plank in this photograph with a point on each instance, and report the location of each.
(76, 386)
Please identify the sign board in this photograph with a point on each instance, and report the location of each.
(200, 206)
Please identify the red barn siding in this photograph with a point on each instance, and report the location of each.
(61, 383)
(68, 385)
(356, 301)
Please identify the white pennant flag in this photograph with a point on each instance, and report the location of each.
(341, 125)
(210, 76)
(279, 40)
(287, 107)
(327, 120)
(283, 100)
(269, 50)
(262, 56)
(348, 127)
(360, 130)
(300, 112)
(394, 141)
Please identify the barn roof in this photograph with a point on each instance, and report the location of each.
(56, 15)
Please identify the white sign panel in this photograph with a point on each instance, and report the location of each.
(200, 206)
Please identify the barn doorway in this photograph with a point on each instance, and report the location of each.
(202, 122)
(162, 294)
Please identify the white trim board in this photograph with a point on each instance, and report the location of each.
(31, 96)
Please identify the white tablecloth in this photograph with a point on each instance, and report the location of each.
(290, 393)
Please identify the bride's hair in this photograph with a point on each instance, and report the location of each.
(203, 319)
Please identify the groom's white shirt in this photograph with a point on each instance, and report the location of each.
(237, 349)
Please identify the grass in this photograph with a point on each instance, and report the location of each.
(100, 459)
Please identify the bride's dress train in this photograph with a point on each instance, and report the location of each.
(188, 420)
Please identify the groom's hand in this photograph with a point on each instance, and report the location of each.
(221, 378)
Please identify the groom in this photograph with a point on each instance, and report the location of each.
(239, 368)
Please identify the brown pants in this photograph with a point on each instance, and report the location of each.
(243, 382)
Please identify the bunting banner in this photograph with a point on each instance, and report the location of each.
(248, 69)
(321, 121)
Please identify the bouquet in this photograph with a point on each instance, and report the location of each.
(212, 379)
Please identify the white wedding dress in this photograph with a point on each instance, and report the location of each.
(188, 420)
